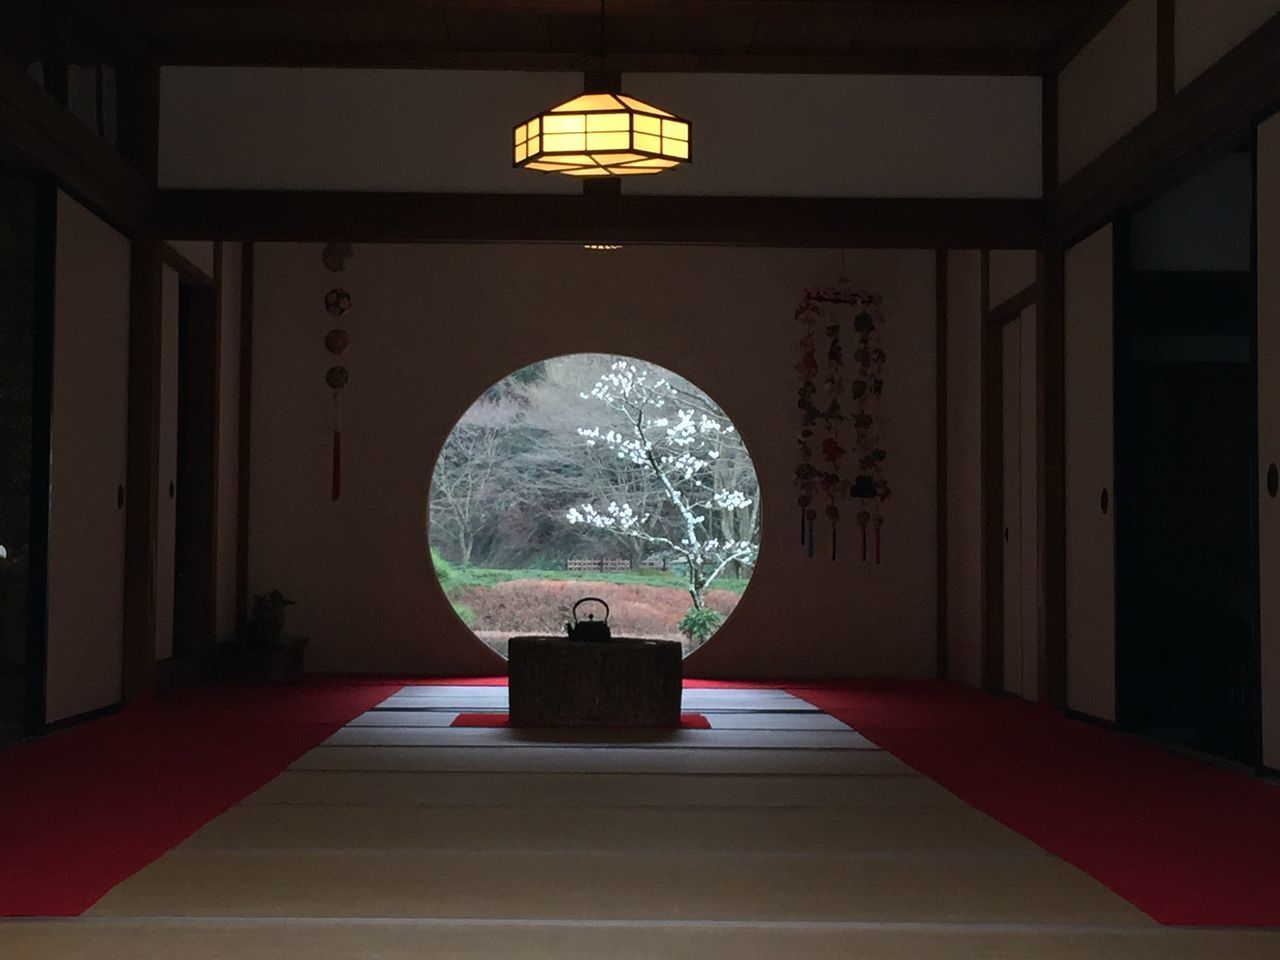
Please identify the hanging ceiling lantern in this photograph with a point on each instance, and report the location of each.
(602, 135)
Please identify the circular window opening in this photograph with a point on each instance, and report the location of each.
(594, 475)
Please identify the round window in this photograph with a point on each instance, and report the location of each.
(594, 475)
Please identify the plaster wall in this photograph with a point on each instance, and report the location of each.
(1108, 88)
(1205, 30)
(433, 326)
(450, 131)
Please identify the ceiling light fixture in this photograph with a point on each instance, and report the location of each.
(602, 133)
(602, 246)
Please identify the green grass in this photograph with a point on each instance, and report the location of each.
(484, 577)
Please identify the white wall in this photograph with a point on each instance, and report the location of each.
(1204, 30)
(1108, 88)
(964, 467)
(228, 441)
(167, 465)
(90, 406)
(1010, 272)
(198, 253)
(1089, 439)
(1269, 428)
(434, 326)
(413, 130)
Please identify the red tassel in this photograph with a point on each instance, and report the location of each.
(337, 465)
(877, 544)
(864, 543)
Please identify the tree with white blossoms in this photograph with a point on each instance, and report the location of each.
(687, 449)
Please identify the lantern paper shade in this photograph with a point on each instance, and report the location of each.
(602, 135)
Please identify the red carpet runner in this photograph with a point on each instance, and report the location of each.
(83, 809)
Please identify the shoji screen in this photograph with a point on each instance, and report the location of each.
(1090, 425)
(1269, 429)
(167, 464)
(86, 513)
(1021, 508)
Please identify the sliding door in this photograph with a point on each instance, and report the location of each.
(1268, 247)
(1090, 561)
(1021, 534)
(87, 472)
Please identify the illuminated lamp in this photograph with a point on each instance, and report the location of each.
(602, 135)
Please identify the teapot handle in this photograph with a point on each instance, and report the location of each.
(585, 600)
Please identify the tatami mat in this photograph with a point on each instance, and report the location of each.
(778, 833)
(313, 938)
(400, 788)
(622, 739)
(640, 886)
(948, 830)
(530, 758)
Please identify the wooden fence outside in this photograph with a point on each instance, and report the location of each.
(610, 564)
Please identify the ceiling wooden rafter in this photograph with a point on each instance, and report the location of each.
(772, 36)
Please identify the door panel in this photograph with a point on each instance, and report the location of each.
(1090, 561)
(167, 465)
(89, 426)
(1268, 220)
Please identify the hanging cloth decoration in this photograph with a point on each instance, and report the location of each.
(337, 378)
(866, 392)
(336, 257)
(838, 407)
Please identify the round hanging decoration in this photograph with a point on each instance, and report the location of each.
(336, 256)
(839, 411)
(337, 301)
(337, 377)
(336, 341)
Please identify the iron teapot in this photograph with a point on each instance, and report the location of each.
(589, 630)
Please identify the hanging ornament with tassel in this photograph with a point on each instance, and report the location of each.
(336, 378)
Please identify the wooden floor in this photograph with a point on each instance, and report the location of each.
(779, 832)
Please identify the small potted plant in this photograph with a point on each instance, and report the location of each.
(269, 612)
(265, 654)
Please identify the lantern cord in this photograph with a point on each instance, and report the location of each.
(600, 49)
(833, 541)
(811, 539)
(802, 526)
(864, 543)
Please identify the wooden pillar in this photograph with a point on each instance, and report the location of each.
(992, 492)
(940, 421)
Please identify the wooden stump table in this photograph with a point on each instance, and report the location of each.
(556, 682)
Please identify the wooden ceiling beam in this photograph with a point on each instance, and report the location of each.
(542, 218)
(915, 62)
(714, 9)
(1212, 114)
(39, 135)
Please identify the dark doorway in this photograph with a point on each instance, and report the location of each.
(195, 490)
(1186, 452)
(18, 264)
